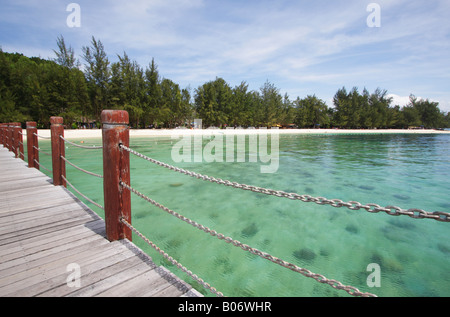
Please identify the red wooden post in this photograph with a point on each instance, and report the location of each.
(5, 135)
(58, 150)
(32, 144)
(2, 135)
(10, 137)
(15, 134)
(116, 168)
(20, 136)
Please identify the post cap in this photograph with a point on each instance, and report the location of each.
(115, 117)
(56, 120)
(31, 124)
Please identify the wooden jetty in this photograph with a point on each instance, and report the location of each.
(51, 244)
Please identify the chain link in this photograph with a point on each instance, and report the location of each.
(40, 150)
(40, 165)
(42, 137)
(352, 205)
(319, 278)
(93, 147)
(80, 169)
(172, 260)
(84, 196)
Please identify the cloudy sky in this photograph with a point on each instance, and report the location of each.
(302, 47)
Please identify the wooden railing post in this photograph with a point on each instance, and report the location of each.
(20, 141)
(16, 139)
(32, 144)
(2, 134)
(9, 136)
(116, 168)
(58, 150)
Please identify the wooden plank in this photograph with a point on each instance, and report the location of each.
(41, 191)
(48, 241)
(35, 204)
(98, 272)
(96, 226)
(23, 184)
(14, 173)
(55, 284)
(92, 270)
(50, 227)
(36, 260)
(134, 286)
(40, 234)
(33, 217)
(45, 221)
(55, 266)
(112, 280)
(175, 288)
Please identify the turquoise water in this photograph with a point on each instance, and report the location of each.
(409, 171)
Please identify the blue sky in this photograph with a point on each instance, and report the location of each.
(302, 47)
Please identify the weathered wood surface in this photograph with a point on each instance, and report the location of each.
(44, 229)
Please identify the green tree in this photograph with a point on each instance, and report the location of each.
(186, 113)
(380, 103)
(411, 116)
(127, 88)
(311, 112)
(342, 111)
(429, 114)
(65, 56)
(97, 72)
(8, 110)
(242, 106)
(153, 94)
(355, 110)
(171, 110)
(288, 112)
(213, 102)
(395, 117)
(271, 103)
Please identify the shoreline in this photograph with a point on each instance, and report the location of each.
(97, 133)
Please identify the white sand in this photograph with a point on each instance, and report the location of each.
(97, 133)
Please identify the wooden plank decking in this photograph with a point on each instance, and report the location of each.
(44, 229)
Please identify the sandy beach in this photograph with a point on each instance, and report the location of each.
(97, 133)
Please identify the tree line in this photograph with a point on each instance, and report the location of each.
(34, 89)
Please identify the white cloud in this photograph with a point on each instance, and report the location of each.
(303, 46)
(444, 103)
(399, 100)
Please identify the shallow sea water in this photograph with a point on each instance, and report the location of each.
(409, 171)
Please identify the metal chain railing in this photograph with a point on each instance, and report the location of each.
(41, 151)
(40, 165)
(80, 169)
(81, 194)
(172, 260)
(318, 277)
(93, 147)
(352, 205)
(42, 137)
